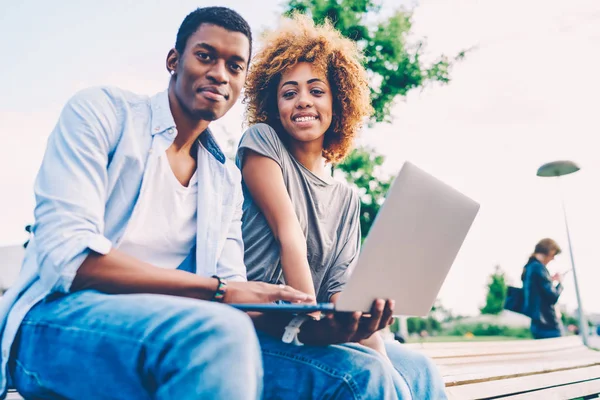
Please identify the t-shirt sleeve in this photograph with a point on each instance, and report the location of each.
(342, 268)
(263, 140)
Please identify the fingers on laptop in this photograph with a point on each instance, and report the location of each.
(371, 325)
(386, 318)
(287, 293)
(378, 318)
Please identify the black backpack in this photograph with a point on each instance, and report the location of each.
(515, 300)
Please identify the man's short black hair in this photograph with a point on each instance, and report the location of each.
(221, 16)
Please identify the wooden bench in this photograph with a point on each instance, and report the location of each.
(521, 369)
(13, 395)
(548, 369)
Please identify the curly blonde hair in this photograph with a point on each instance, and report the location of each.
(300, 40)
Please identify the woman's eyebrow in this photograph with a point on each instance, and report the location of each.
(290, 83)
(295, 83)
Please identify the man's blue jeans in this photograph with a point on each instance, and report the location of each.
(89, 345)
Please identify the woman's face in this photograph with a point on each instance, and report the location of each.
(305, 103)
(550, 256)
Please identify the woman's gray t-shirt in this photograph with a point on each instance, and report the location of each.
(328, 212)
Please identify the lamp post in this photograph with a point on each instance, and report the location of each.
(557, 169)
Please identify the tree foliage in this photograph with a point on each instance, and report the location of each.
(361, 168)
(416, 325)
(393, 58)
(494, 302)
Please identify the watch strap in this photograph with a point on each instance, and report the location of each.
(219, 295)
(290, 335)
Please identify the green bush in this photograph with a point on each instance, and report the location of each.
(483, 329)
(429, 324)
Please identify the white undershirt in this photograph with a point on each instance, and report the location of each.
(162, 229)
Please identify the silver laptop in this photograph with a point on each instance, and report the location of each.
(408, 252)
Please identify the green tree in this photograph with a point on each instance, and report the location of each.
(441, 313)
(494, 302)
(362, 168)
(568, 319)
(417, 324)
(395, 65)
(432, 323)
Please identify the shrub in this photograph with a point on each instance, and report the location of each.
(482, 329)
(429, 324)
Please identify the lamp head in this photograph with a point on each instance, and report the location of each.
(557, 168)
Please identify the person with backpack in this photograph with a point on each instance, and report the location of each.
(542, 290)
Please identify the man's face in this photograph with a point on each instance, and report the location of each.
(210, 73)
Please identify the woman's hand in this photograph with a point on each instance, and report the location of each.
(260, 292)
(341, 327)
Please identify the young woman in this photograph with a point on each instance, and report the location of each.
(307, 97)
(542, 291)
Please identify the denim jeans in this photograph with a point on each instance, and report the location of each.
(541, 332)
(89, 345)
(418, 371)
(421, 374)
(331, 372)
(349, 371)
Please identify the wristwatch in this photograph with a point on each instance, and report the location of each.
(290, 335)
(219, 295)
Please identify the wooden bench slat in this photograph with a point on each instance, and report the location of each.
(13, 395)
(548, 344)
(467, 376)
(562, 392)
(547, 369)
(516, 385)
(512, 347)
(576, 354)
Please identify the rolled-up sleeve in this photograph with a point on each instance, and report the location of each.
(70, 188)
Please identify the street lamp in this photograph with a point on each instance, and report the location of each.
(556, 169)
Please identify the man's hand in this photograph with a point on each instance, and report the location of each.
(379, 318)
(260, 292)
(347, 327)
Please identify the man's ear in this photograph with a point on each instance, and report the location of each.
(172, 61)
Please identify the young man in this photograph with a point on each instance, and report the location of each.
(137, 224)
(133, 190)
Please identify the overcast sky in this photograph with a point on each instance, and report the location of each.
(526, 94)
